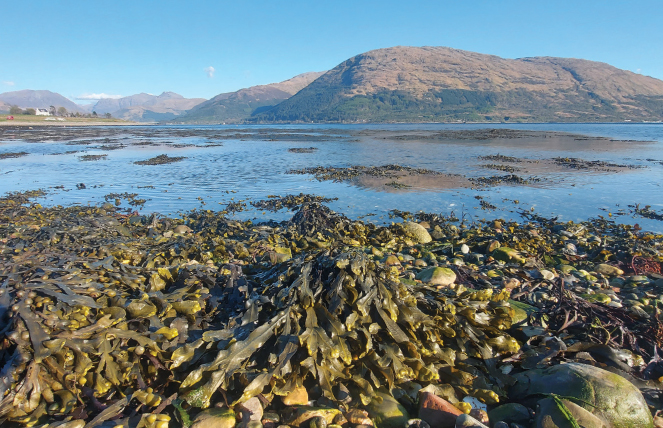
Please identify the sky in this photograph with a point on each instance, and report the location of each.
(85, 50)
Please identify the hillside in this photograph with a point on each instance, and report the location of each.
(236, 106)
(38, 99)
(418, 84)
(146, 107)
(4, 107)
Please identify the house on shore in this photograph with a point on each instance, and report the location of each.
(42, 112)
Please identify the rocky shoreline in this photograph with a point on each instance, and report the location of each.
(112, 319)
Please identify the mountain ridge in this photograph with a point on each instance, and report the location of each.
(234, 107)
(419, 84)
(29, 98)
(145, 107)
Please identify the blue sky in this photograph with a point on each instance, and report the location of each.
(126, 47)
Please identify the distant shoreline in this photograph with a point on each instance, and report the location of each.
(9, 123)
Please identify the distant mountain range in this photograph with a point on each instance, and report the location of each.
(405, 84)
(421, 84)
(234, 107)
(37, 99)
(146, 107)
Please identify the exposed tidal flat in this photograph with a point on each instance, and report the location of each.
(115, 313)
(572, 172)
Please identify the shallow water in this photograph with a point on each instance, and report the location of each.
(252, 163)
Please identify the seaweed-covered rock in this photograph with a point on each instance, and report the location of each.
(609, 396)
(507, 255)
(388, 413)
(608, 270)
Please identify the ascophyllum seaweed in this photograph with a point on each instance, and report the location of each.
(105, 311)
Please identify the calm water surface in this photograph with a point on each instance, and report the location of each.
(251, 163)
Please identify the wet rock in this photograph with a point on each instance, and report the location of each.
(616, 400)
(298, 396)
(418, 232)
(501, 424)
(467, 421)
(510, 412)
(255, 424)
(549, 415)
(464, 249)
(547, 275)
(388, 414)
(437, 411)
(214, 418)
(342, 394)
(437, 276)
(608, 270)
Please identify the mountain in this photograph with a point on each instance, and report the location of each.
(420, 84)
(236, 106)
(38, 99)
(146, 107)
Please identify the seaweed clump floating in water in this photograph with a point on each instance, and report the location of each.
(136, 321)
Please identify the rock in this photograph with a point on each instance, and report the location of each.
(510, 283)
(437, 276)
(549, 415)
(251, 410)
(608, 270)
(340, 420)
(418, 232)
(507, 255)
(501, 424)
(358, 417)
(480, 415)
(342, 394)
(464, 249)
(182, 229)
(256, 424)
(214, 418)
(658, 422)
(420, 263)
(510, 412)
(547, 275)
(566, 269)
(392, 261)
(389, 413)
(437, 411)
(610, 396)
(318, 422)
(527, 332)
(296, 397)
(492, 246)
(302, 414)
(467, 421)
(417, 423)
(271, 417)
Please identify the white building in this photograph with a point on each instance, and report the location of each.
(42, 112)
